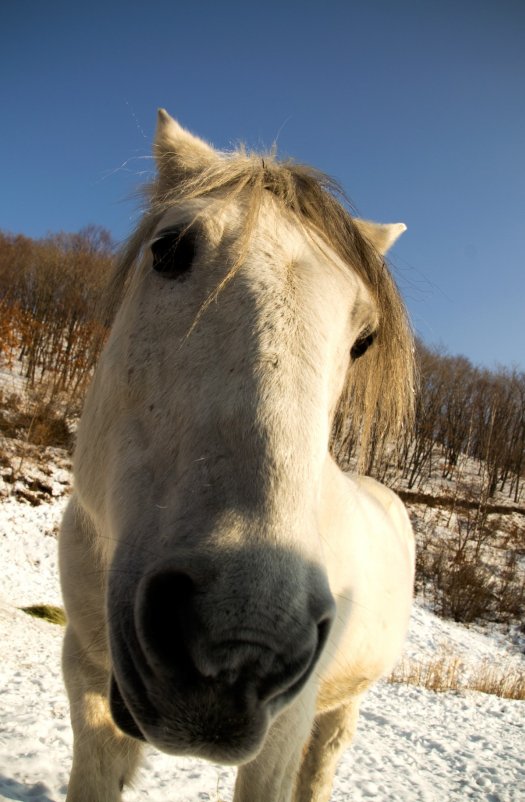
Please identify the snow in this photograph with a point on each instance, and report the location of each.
(412, 745)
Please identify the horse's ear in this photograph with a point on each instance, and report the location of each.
(178, 153)
(381, 235)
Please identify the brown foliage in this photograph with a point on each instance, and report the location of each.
(35, 419)
(49, 291)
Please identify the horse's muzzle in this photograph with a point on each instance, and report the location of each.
(204, 672)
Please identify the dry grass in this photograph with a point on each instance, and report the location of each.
(446, 672)
(439, 674)
(508, 683)
(48, 612)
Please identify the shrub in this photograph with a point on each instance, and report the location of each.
(466, 590)
(36, 419)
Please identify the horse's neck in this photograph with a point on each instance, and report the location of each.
(360, 516)
(338, 499)
(368, 551)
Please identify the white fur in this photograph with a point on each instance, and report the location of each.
(216, 443)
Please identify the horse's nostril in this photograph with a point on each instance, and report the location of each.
(165, 614)
(174, 618)
(323, 630)
(120, 712)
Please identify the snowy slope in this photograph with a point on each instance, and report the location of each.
(411, 744)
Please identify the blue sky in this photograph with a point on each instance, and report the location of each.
(417, 108)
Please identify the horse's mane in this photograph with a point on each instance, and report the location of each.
(378, 398)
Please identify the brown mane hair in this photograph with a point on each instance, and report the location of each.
(378, 399)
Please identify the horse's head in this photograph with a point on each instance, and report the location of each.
(205, 438)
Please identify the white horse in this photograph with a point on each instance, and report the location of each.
(230, 593)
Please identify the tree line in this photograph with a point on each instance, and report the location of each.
(468, 410)
(462, 410)
(50, 290)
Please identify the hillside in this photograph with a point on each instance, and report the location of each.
(412, 744)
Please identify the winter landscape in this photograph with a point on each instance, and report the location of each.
(413, 744)
(418, 111)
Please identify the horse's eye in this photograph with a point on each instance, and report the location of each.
(362, 344)
(173, 253)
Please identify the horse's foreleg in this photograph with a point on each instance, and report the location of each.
(271, 776)
(104, 758)
(331, 733)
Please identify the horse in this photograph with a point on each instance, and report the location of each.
(230, 593)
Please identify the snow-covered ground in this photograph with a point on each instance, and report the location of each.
(412, 745)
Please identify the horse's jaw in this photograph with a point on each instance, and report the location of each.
(221, 735)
